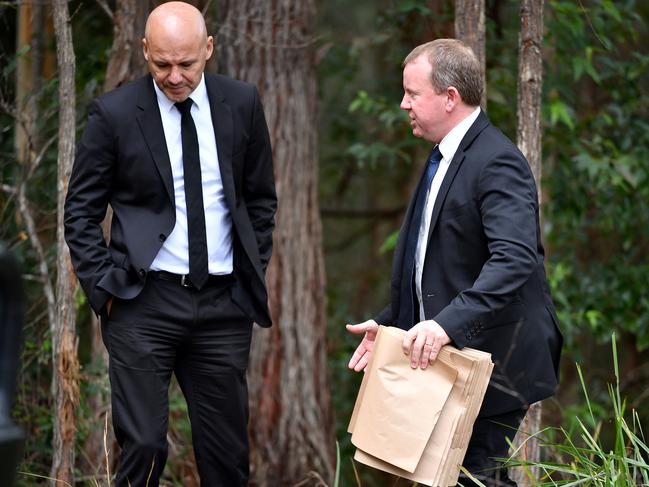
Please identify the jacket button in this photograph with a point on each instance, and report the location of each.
(141, 273)
(162, 237)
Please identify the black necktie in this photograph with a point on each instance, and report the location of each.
(198, 271)
(407, 301)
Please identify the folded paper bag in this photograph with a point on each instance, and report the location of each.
(398, 406)
(438, 463)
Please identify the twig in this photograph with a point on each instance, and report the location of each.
(106, 452)
(34, 163)
(34, 239)
(106, 8)
(206, 7)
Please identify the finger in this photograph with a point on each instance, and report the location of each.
(356, 329)
(358, 354)
(426, 354)
(417, 347)
(440, 340)
(362, 362)
(360, 327)
(434, 350)
(410, 336)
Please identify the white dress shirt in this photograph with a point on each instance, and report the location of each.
(448, 146)
(174, 253)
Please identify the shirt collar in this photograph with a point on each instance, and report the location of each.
(449, 144)
(198, 96)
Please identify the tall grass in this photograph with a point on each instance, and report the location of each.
(582, 458)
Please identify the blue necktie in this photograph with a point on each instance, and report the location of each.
(407, 301)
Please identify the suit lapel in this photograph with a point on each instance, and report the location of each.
(478, 126)
(150, 124)
(223, 131)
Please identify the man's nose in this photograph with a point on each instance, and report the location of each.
(405, 103)
(174, 76)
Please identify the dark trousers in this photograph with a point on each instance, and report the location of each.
(488, 442)
(202, 337)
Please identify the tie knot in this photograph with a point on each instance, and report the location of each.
(184, 107)
(435, 156)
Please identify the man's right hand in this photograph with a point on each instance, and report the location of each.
(364, 350)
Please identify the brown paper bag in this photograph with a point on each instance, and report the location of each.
(417, 423)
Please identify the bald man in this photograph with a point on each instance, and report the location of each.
(184, 160)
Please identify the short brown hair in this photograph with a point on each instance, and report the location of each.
(454, 64)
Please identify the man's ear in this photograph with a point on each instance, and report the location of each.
(145, 49)
(453, 98)
(210, 47)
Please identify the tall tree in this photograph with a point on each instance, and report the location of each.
(470, 28)
(29, 20)
(530, 80)
(271, 44)
(64, 338)
(126, 62)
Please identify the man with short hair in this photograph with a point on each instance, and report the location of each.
(184, 159)
(468, 265)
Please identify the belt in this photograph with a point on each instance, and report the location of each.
(184, 281)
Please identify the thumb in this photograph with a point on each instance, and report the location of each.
(364, 327)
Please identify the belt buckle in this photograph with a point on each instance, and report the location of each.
(184, 281)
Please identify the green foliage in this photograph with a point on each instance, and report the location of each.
(596, 144)
(611, 451)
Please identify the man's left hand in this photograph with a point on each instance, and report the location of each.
(423, 342)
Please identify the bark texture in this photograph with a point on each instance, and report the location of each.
(530, 84)
(530, 77)
(64, 338)
(126, 61)
(470, 28)
(270, 44)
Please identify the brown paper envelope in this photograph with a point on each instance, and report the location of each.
(425, 476)
(400, 405)
(446, 447)
(477, 387)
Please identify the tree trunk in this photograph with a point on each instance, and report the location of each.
(530, 77)
(270, 44)
(126, 61)
(25, 80)
(34, 35)
(65, 382)
(470, 28)
(530, 84)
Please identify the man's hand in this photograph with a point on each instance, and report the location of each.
(363, 352)
(423, 342)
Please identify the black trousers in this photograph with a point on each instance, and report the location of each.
(202, 337)
(488, 442)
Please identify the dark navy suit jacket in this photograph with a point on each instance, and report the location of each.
(483, 279)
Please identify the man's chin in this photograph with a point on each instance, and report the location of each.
(176, 95)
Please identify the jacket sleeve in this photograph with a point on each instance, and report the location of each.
(86, 203)
(508, 207)
(259, 186)
(385, 316)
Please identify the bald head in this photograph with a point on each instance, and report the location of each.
(175, 18)
(176, 47)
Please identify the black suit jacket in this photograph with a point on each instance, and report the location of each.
(122, 160)
(483, 280)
